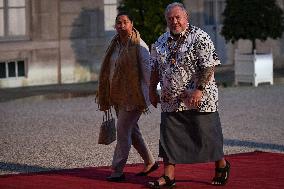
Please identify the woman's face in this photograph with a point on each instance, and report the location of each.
(123, 25)
(177, 20)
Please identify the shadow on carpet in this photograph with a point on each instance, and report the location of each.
(249, 170)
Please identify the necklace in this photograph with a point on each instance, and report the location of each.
(174, 46)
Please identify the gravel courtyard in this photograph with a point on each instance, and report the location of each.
(39, 135)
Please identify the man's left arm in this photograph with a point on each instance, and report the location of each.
(204, 77)
(208, 60)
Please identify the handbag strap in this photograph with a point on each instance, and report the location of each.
(107, 115)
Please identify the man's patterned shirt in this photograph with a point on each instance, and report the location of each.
(196, 52)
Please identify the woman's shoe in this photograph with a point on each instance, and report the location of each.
(168, 183)
(153, 168)
(223, 179)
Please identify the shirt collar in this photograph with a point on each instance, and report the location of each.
(177, 36)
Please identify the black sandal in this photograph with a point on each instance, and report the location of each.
(168, 183)
(153, 168)
(225, 172)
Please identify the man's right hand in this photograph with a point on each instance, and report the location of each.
(154, 97)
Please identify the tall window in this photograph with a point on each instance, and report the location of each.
(213, 10)
(12, 19)
(110, 11)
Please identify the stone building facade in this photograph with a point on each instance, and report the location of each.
(46, 42)
(53, 42)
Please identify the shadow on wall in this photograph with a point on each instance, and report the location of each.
(86, 42)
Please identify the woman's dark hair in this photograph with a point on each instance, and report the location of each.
(124, 13)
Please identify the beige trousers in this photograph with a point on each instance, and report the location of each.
(128, 133)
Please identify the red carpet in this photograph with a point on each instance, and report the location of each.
(249, 170)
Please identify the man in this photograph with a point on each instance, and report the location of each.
(183, 61)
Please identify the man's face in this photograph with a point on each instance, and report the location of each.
(123, 25)
(177, 20)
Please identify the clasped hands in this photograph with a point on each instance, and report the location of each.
(190, 99)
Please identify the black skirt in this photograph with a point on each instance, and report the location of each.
(190, 137)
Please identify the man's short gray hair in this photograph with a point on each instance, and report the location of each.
(175, 4)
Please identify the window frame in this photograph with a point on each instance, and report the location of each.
(109, 4)
(6, 36)
(16, 61)
(213, 17)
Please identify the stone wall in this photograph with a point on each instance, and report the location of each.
(65, 43)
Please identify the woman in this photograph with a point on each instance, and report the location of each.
(123, 84)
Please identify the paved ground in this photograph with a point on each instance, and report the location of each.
(48, 130)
